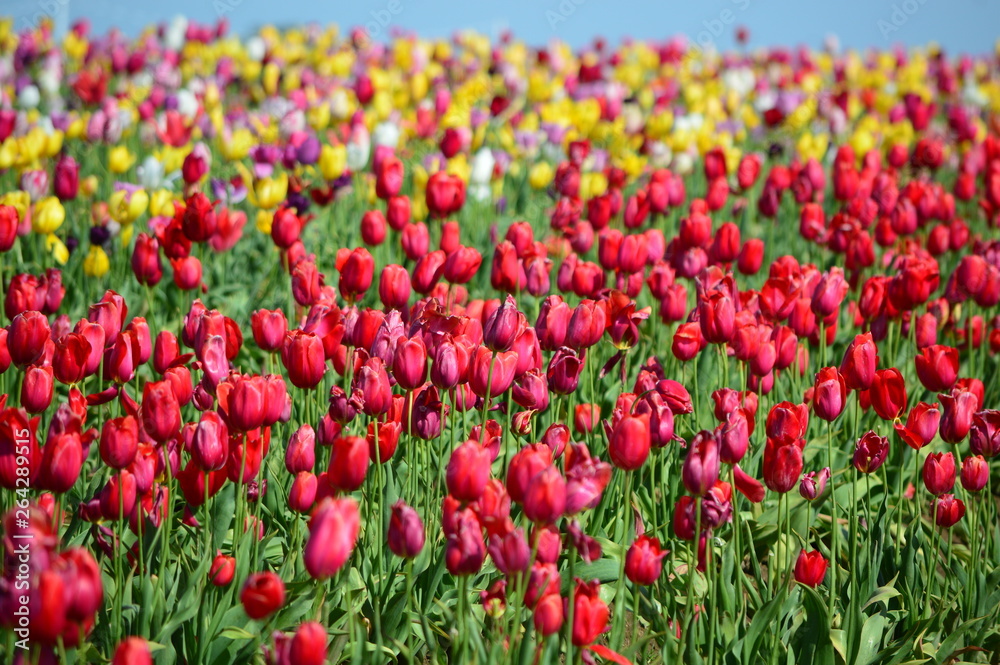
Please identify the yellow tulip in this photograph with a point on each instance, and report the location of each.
(96, 263)
(48, 216)
(541, 175)
(19, 200)
(124, 208)
(264, 219)
(271, 191)
(120, 159)
(333, 161)
(59, 250)
(161, 203)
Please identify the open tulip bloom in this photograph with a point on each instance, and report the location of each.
(318, 349)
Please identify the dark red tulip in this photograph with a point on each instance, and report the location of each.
(948, 511)
(939, 473)
(465, 552)
(984, 435)
(406, 531)
(870, 452)
(545, 497)
(146, 264)
(958, 408)
(700, 470)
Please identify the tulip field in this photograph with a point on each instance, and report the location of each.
(319, 349)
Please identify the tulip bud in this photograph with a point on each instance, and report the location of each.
(406, 531)
(975, 473)
(132, 651)
(223, 569)
(629, 442)
(468, 471)
(119, 441)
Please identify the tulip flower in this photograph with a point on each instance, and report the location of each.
(468, 471)
(629, 443)
(132, 651)
(830, 395)
(939, 473)
(223, 570)
(644, 560)
(701, 465)
(406, 531)
(590, 613)
(263, 594)
(810, 568)
(870, 452)
(937, 367)
(888, 393)
(333, 531)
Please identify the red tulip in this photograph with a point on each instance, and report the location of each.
(26, 338)
(333, 531)
(870, 452)
(146, 264)
(394, 287)
(782, 465)
(939, 473)
(629, 442)
(937, 367)
(132, 651)
(984, 435)
(304, 358)
(590, 613)
(406, 531)
(263, 594)
(269, 328)
(810, 568)
(644, 561)
(62, 460)
(830, 394)
(468, 471)
(119, 442)
(160, 412)
(545, 498)
(888, 393)
(356, 274)
(860, 361)
(975, 473)
(948, 511)
(36, 389)
(210, 443)
(349, 459)
(223, 570)
(309, 644)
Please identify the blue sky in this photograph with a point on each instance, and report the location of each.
(959, 25)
